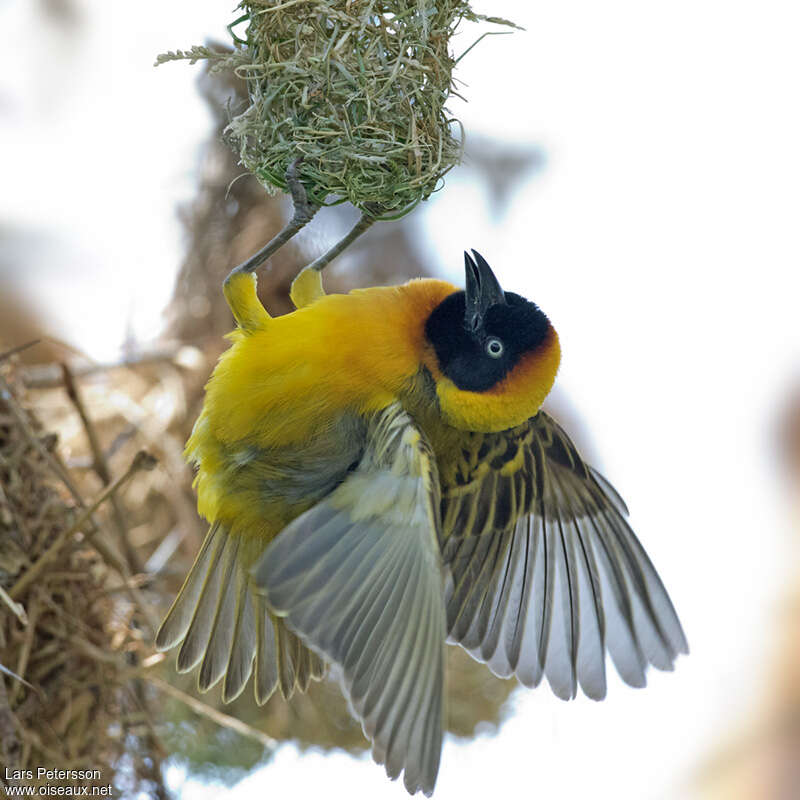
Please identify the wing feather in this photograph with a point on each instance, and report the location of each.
(358, 578)
(543, 573)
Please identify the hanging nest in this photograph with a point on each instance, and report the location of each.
(357, 89)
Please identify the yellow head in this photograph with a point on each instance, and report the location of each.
(493, 354)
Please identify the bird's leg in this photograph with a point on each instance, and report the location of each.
(239, 286)
(307, 286)
(304, 211)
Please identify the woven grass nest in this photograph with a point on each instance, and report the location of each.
(356, 88)
(68, 645)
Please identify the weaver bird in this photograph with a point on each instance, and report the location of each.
(379, 479)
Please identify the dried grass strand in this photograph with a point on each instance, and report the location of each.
(143, 460)
(205, 710)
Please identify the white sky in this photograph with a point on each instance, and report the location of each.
(661, 239)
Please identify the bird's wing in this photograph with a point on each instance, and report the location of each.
(543, 572)
(358, 578)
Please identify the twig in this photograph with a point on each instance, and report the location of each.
(28, 684)
(100, 466)
(34, 441)
(49, 376)
(8, 738)
(120, 439)
(25, 651)
(142, 460)
(205, 710)
(16, 608)
(18, 349)
(52, 757)
(68, 619)
(133, 677)
(153, 742)
(95, 652)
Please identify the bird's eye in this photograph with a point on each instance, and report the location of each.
(494, 348)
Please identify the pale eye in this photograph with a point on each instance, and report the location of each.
(494, 348)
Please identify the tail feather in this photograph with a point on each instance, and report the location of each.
(223, 625)
(220, 641)
(176, 624)
(266, 666)
(288, 649)
(195, 642)
(243, 651)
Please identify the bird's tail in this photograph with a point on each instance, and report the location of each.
(224, 625)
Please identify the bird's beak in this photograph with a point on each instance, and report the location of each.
(482, 290)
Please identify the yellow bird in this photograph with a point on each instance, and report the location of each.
(379, 479)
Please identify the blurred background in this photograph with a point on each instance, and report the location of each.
(631, 166)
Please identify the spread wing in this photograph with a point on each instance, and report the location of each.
(543, 571)
(358, 578)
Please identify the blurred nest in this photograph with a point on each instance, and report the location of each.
(357, 89)
(69, 643)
